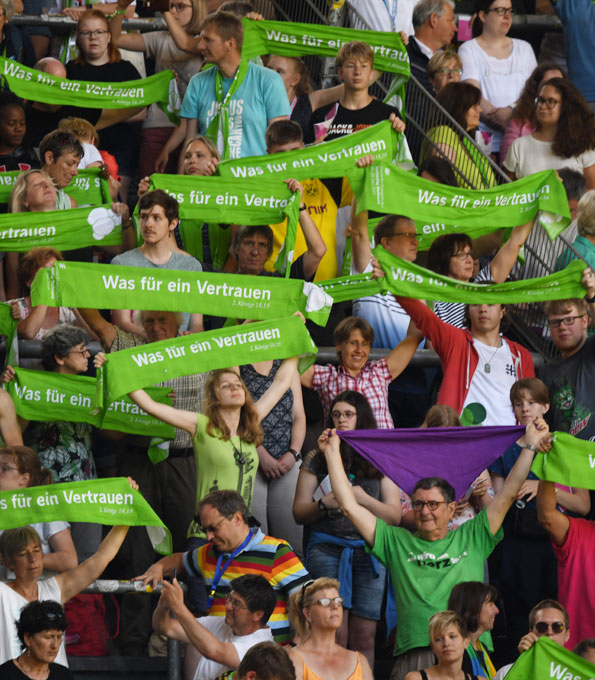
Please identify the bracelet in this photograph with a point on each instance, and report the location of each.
(296, 454)
(117, 13)
(127, 225)
(590, 299)
(303, 207)
(530, 447)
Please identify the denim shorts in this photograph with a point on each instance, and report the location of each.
(368, 591)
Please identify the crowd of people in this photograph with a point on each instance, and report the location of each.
(297, 553)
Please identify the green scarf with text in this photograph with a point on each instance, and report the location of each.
(547, 659)
(138, 367)
(109, 501)
(34, 85)
(239, 296)
(570, 461)
(87, 188)
(60, 229)
(8, 328)
(331, 159)
(439, 209)
(410, 280)
(246, 201)
(47, 397)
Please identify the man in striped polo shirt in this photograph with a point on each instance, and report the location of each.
(234, 549)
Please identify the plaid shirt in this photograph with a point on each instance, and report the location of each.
(372, 382)
(189, 389)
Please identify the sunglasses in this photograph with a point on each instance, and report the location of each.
(542, 627)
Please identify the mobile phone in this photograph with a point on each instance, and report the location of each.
(174, 574)
(154, 5)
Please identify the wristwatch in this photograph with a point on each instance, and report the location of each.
(296, 454)
(531, 447)
(321, 506)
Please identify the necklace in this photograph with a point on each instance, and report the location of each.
(486, 367)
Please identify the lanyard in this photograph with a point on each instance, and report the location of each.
(238, 79)
(219, 571)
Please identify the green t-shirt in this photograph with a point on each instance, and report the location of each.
(222, 464)
(424, 572)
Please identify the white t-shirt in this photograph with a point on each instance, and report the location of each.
(490, 388)
(11, 604)
(209, 670)
(383, 15)
(527, 155)
(91, 155)
(501, 80)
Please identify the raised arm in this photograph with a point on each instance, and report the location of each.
(534, 436)
(185, 420)
(401, 355)
(281, 383)
(72, 582)
(128, 41)
(360, 240)
(506, 257)
(552, 520)
(164, 623)
(183, 40)
(314, 241)
(9, 427)
(63, 556)
(363, 520)
(104, 330)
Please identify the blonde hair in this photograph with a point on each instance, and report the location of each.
(585, 221)
(441, 59)
(249, 429)
(207, 142)
(304, 598)
(441, 415)
(80, 128)
(18, 193)
(443, 620)
(355, 50)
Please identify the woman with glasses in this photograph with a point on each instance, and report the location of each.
(498, 65)
(332, 538)
(160, 46)
(443, 68)
(316, 614)
(99, 60)
(564, 136)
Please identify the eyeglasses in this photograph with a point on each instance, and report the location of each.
(346, 414)
(567, 321)
(447, 71)
(82, 352)
(463, 255)
(327, 601)
(213, 528)
(411, 234)
(549, 103)
(432, 505)
(236, 604)
(4, 468)
(542, 627)
(92, 34)
(179, 7)
(502, 11)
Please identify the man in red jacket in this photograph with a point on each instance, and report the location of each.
(479, 364)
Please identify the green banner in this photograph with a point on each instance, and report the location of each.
(246, 201)
(570, 461)
(60, 229)
(87, 188)
(439, 209)
(549, 660)
(238, 296)
(108, 501)
(290, 39)
(331, 159)
(46, 397)
(8, 328)
(410, 280)
(34, 85)
(137, 367)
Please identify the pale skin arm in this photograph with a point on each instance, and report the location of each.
(363, 520)
(307, 377)
(298, 428)
(104, 330)
(360, 240)
(589, 174)
(196, 323)
(28, 328)
(128, 41)
(161, 568)
(63, 556)
(185, 420)
(112, 116)
(9, 427)
(388, 508)
(72, 582)
(280, 384)
(577, 500)
(122, 320)
(366, 670)
(314, 241)
(500, 504)
(305, 510)
(199, 637)
(507, 255)
(499, 116)
(552, 520)
(401, 355)
(183, 40)
(297, 662)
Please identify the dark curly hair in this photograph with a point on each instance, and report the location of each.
(576, 127)
(37, 617)
(524, 110)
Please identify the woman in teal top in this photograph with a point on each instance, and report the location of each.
(472, 170)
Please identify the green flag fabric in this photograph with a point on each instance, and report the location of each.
(109, 501)
(290, 39)
(60, 229)
(87, 188)
(570, 461)
(411, 280)
(34, 85)
(439, 209)
(46, 397)
(8, 328)
(239, 296)
(331, 159)
(137, 367)
(546, 659)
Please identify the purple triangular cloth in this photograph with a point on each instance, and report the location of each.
(458, 454)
